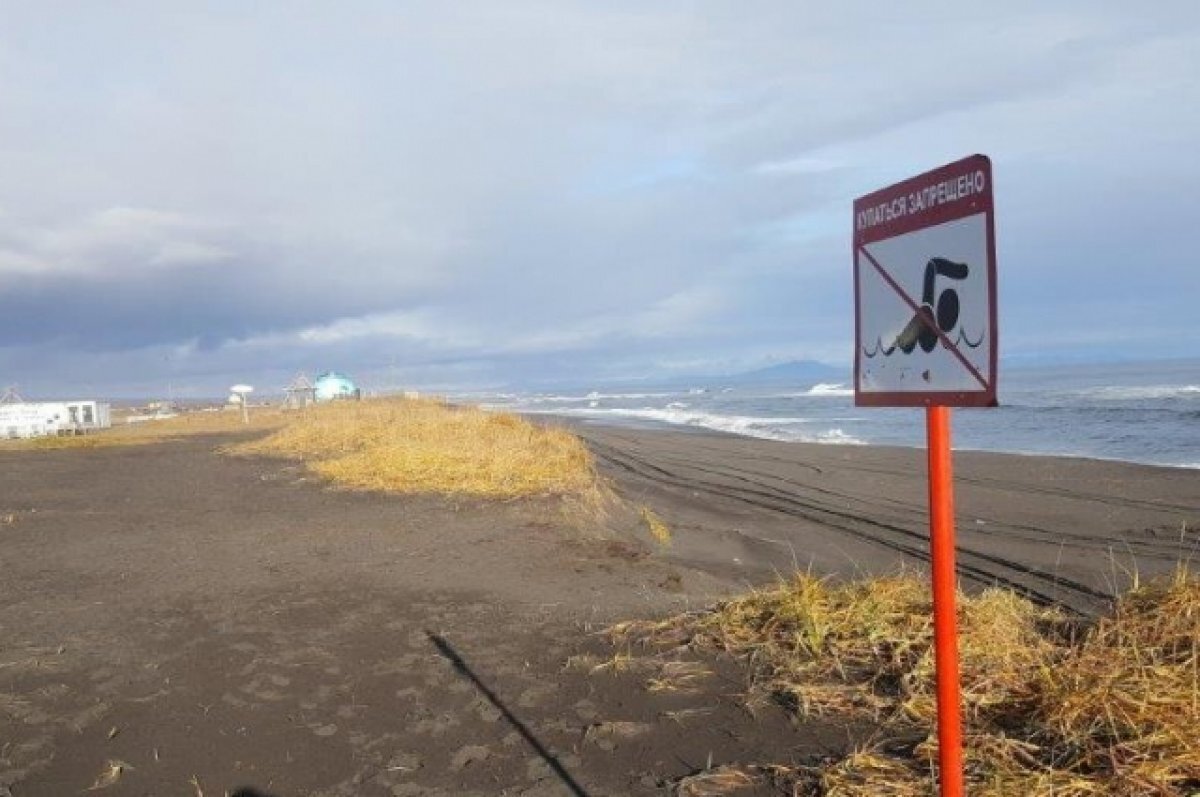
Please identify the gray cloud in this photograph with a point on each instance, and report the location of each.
(478, 192)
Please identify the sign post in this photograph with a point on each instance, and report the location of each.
(243, 393)
(926, 336)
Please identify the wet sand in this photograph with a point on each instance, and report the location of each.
(218, 624)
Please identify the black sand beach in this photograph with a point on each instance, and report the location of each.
(210, 624)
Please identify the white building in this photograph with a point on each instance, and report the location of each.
(39, 418)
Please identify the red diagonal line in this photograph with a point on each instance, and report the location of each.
(916, 308)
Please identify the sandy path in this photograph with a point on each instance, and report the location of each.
(201, 617)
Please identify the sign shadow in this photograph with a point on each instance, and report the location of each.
(462, 668)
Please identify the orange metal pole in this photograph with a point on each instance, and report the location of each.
(945, 627)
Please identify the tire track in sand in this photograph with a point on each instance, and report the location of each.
(753, 490)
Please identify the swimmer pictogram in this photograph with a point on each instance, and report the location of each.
(934, 314)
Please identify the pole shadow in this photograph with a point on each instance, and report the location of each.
(462, 668)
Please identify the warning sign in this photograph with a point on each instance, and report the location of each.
(925, 290)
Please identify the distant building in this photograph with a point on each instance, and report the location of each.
(300, 393)
(41, 418)
(332, 386)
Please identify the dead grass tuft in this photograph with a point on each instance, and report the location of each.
(112, 772)
(679, 676)
(428, 446)
(717, 782)
(658, 529)
(1050, 709)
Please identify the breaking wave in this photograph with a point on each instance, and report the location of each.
(593, 396)
(1146, 392)
(829, 389)
(780, 428)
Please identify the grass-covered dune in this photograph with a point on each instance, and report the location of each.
(1052, 705)
(428, 446)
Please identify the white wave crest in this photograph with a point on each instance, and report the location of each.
(594, 395)
(1143, 392)
(829, 389)
(746, 425)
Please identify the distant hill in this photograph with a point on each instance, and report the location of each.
(794, 371)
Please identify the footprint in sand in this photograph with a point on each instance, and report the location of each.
(534, 695)
(233, 700)
(486, 711)
(404, 762)
(586, 710)
(606, 735)
(435, 726)
(409, 693)
(471, 754)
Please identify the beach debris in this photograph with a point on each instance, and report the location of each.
(195, 781)
(113, 770)
(113, 732)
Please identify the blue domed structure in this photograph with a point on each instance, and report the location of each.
(331, 386)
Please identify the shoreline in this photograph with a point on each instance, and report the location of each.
(574, 421)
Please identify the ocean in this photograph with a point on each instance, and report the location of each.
(1143, 412)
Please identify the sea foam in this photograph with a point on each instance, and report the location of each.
(831, 389)
(766, 428)
(1142, 392)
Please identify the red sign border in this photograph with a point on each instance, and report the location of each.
(985, 203)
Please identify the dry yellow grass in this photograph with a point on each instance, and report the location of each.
(427, 446)
(184, 425)
(658, 529)
(1050, 709)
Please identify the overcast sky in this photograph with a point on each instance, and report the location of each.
(473, 193)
